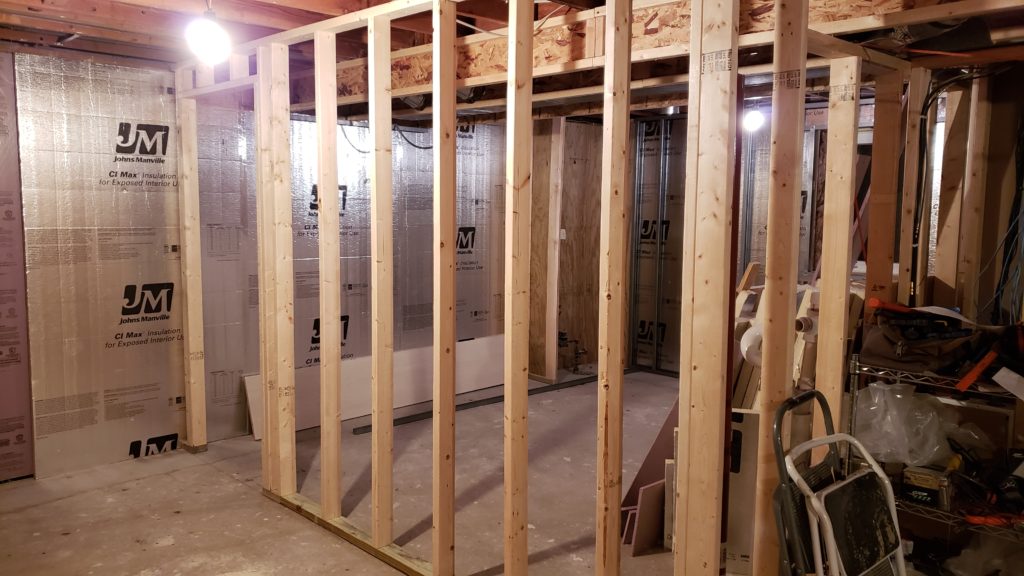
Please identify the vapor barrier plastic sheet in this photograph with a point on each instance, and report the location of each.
(99, 186)
(15, 389)
(230, 279)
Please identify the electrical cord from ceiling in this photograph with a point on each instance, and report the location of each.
(1009, 282)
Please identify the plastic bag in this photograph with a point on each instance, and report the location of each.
(895, 425)
(988, 555)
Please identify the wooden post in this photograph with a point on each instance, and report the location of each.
(191, 276)
(382, 280)
(554, 226)
(546, 215)
(973, 209)
(885, 152)
(518, 187)
(920, 78)
(951, 188)
(329, 226)
(779, 297)
(707, 288)
(444, 288)
(611, 283)
(276, 273)
(840, 195)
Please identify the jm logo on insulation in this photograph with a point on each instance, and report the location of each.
(150, 299)
(144, 139)
(315, 340)
(466, 239)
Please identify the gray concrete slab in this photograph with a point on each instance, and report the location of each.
(201, 514)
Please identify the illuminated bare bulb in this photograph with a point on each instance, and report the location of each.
(753, 120)
(208, 40)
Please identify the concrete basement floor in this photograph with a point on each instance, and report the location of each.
(180, 513)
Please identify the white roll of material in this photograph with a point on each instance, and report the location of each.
(750, 344)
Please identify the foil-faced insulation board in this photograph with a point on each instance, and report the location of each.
(231, 284)
(99, 186)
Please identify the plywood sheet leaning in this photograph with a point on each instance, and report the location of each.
(779, 298)
(650, 513)
(707, 289)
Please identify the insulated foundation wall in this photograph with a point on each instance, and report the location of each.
(230, 284)
(658, 236)
(99, 185)
(15, 388)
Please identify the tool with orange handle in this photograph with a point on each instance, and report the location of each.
(975, 373)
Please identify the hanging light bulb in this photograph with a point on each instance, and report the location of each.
(207, 39)
(753, 120)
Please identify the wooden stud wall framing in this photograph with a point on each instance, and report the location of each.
(707, 286)
(885, 153)
(329, 226)
(382, 280)
(273, 205)
(836, 251)
(611, 284)
(916, 91)
(706, 283)
(779, 296)
(973, 209)
(443, 485)
(518, 188)
(191, 273)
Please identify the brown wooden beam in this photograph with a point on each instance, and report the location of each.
(106, 14)
(54, 41)
(85, 31)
